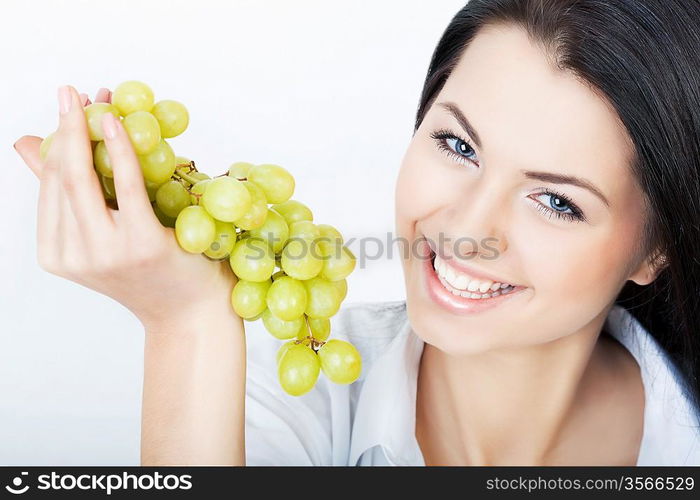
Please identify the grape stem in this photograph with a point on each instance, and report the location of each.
(314, 344)
(180, 172)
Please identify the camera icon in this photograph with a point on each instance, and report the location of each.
(16, 488)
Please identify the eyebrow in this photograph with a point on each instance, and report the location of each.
(566, 179)
(463, 122)
(530, 174)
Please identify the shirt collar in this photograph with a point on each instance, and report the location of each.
(671, 435)
(386, 409)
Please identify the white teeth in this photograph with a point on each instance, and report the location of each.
(461, 282)
(450, 275)
(465, 286)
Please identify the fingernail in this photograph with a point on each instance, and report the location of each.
(15, 144)
(64, 99)
(109, 126)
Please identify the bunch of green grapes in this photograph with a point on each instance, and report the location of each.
(291, 272)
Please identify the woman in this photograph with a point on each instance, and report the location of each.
(549, 202)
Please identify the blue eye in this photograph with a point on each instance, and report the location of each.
(455, 147)
(560, 206)
(558, 203)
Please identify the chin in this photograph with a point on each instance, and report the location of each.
(446, 335)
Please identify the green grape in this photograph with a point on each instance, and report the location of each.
(338, 264)
(275, 231)
(286, 298)
(342, 287)
(283, 350)
(102, 161)
(45, 146)
(276, 182)
(226, 199)
(303, 332)
(248, 298)
(340, 361)
(93, 115)
(330, 239)
(240, 169)
(151, 189)
(323, 299)
(172, 197)
(298, 369)
(329, 232)
(164, 219)
(254, 318)
(200, 176)
(108, 189)
(280, 328)
(172, 117)
(278, 275)
(252, 259)
(158, 165)
(195, 229)
(320, 328)
(304, 229)
(301, 259)
(255, 216)
(132, 96)
(223, 243)
(143, 130)
(198, 189)
(182, 161)
(294, 211)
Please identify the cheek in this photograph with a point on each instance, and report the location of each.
(408, 196)
(420, 187)
(580, 267)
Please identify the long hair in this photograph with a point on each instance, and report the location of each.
(643, 57)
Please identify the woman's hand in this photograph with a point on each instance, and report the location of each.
(125, 254)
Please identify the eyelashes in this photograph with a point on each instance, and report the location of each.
(458, 149)
(442, 137)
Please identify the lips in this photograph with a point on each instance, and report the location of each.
(462, 302)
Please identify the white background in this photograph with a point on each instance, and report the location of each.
(327, 89)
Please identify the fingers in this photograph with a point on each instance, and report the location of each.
(103, 95)
(78, 177)
(49, 211)
(134, 204)
(85, 100)
(28, 149)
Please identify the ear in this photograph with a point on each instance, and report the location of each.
(649, 269)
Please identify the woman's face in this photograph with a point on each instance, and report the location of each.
(492, 203)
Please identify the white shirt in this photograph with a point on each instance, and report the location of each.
(372, 421)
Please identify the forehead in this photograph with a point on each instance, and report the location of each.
(531, 115)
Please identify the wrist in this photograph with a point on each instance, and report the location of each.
(204, 317)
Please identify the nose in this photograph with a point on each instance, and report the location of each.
(478, 220)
